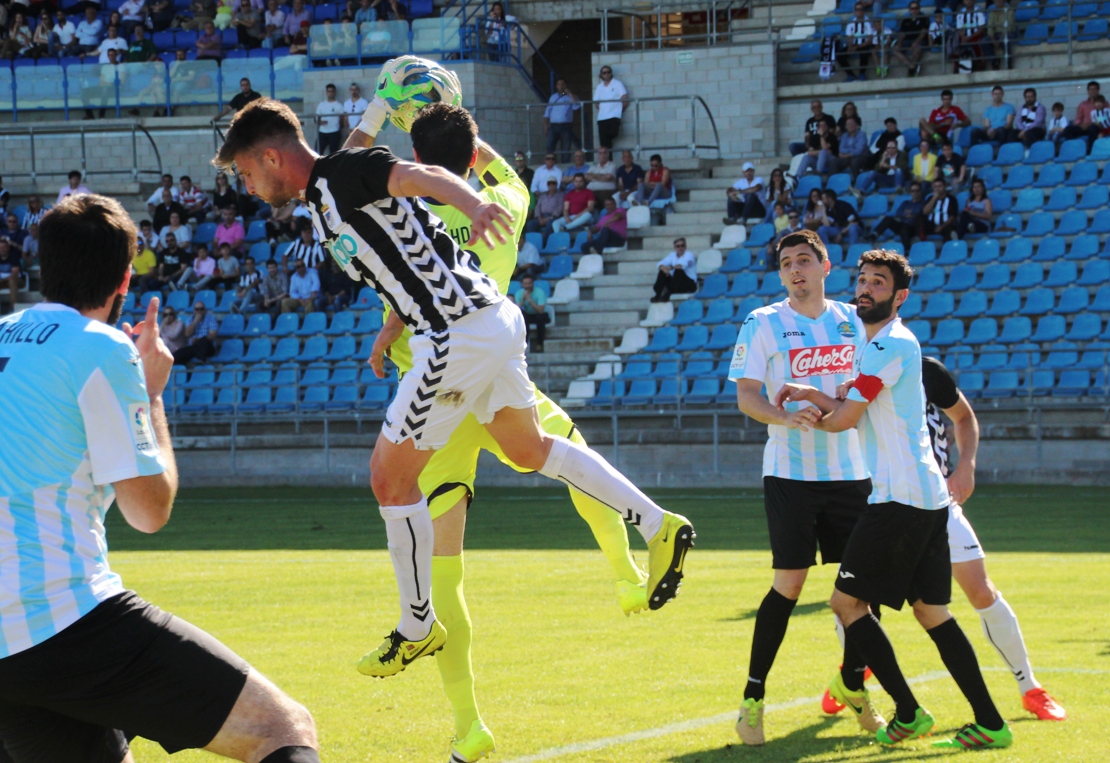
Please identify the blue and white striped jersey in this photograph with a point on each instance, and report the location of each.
(76, 419)
(893, 430)
(776, 345)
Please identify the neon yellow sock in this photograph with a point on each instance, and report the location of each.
(608, 529)
(454, 658)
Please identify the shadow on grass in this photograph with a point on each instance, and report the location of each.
(801, 609)
(1007, 518)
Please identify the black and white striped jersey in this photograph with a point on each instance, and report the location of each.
(941, 393)
(312, 253)
(393, 244)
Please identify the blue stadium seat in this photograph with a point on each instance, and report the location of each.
(771, 286)
(561, 265)
(1074, 150)
(664, 339)
(1006, 225)
(640, 392)
(838, 281)
(700, 364)
(714, 285)
(377, 396)
(1101, 302)
(921, 329)
(744, 285)
(737, 260)
(261, 253)
(1083, 174)
(285, 325)
(227, 400)
(668, 365)
(991, 176)
(369, 322)
(1017, 250)
(231, 325)
(1050, 328)
(745, 308)
(991, 357)
(1051, 176)
(1004, 302)
(1020, 177)
(1071, 224)
(972, 383)
(960, 358)
(985, 252)
(284, 400)
(1062, 273)
(1100, 151)
(367, 299)
(256, 232)
(961, 278)
(703, 391)
(978, 155)
(1016, 329)
(202, 376)
(314, 323)
(722, 338)
(1038, 302)
(1062, 355)
(1040, 224)
(949, 331)
(1084, 328)
(256, 400)
(972, 304)
(579, 240)
(719, 311)
(179, 301)
(1073, 300)
(1029, 200)
(1037, 384)
(694, 338)
(1027, 276)
(760, 235)
(922, 253)
(1061, 199)
(315, 398)
(911, 308)
(343, 348)
(1095, 197)
(1073, 382)
(982, 331)
(315, 373)
(809, 52)
(1050, 249)
(835, 253)
(1095, 274)
(688, 312)
(929, 279)
(199, 400)
(841, 183)
(286, 349)
(1084, 247)
(1101, 223)
(1001, 384)
(342, 323)
(874, 206)
(1094, 29)
(952, 253)
(670, 392)
(344, 398)
(1009, 153)
(807, 184)
(1035, 34)
(1040, 152)
(637, 366)
(535, 239)
(260, 349)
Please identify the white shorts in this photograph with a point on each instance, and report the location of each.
(963, 544)
(476, 366)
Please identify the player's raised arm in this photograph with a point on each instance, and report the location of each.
(489, 221)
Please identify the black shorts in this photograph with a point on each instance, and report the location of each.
(898, 553)
(125, 669)
(802, 515)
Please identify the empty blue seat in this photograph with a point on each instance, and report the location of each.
(911, 308)
(1039, 383)
(377, 396)
(1028, 275)
(1039, 302)
(1095, 274)
(737, 260)
(315, 398)
(285, 400)
(982, 331)
(991, 357)
(920, 329)
(1017, 250)
(961, 278)
(1040, 224)
(744, 285)
(256, 232)
(703, 391)
(1062, 273)
(1050, 249)
(1095, 197)
(641, 392)
(668, 365)
(1050, 176)
(1083, 174)
(991, 177)
(972, 304)
(760, 235)
(1101, 302)
(285, 325)
(1050, 328)
(1020, 177)
(986, 251)
(1061, 199)
(342, 349)
(1072, 223)
(368, 298)
(224, 305)
(561, 265)
(256, 399)
(688, 312)
(1062, 355)
(714, 285)
(1006, 225)
(807, 184)
(1084, 328)
(664, 339)
(694, 338)
(949, 331)
(198, 401)
(838, 281)
(260, 349)
(1035, 34)
(1094, 29)
(771, 286)
(719, 311)
(261, 253)
(344, 398)
(638, 366)
(929, 279)
(1100, 150)
(286, 349)
(939, 306)
(231, 351)
(670, 392)
(1001, 384)
(1009, 153)
(369, 322)
(1084, 247)
(841, 183)
(1101, 223)
(1074, 299)
(978, 155)
(342, 323)
(809, 52)
(722, 338)
(314, 323)
(231, 325)
(700, 364)
(580, 239)
(922, 253)
(1040, 152)
(1074, 150)
(1015, 329)
(1004, 302)
(1029, 200)
(874, 206)
(1074, 382)
(972, 383)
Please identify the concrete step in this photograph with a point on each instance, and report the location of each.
(697, 221)
(642, 272)
(615, 279)
(614, 320)
(694, 243)
(641, 293)
(575, 348)
(592, 330)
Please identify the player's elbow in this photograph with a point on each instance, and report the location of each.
(146, 502)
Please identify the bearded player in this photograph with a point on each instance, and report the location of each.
(468, 350)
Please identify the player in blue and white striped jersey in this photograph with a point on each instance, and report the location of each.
(898, 551)
(815, 483)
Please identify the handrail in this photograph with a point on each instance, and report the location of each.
(32, 131)
(712, 9)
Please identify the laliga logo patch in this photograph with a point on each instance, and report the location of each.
(846, 329)
(140, 429)
(740, 357)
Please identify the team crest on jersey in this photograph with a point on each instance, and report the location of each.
(822, 361)
(329, 216)
(846, 329)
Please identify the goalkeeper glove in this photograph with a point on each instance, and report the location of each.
(374, 117)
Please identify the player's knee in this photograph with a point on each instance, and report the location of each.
(528, 452)
(930, 615)
(981, 595)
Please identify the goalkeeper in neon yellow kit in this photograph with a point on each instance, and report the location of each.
(445, 136)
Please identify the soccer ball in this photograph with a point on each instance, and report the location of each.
(408, 83)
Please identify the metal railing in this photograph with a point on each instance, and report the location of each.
(675, 24)
(36, 134)
(645, 113)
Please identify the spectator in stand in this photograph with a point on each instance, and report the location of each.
(578, 207)
(14, 235)
(971, 37)
(141, 50)
(815, 214)
(544, 172)
(906, 221)
(20, 42)
(941, 120)
(998, 120)
(223, 197)
(1001, 28)
(977, 212)
(41, 39)
(63, 40)
(296, 16)
(844, 224)
(889, 173)
(678, 273)
(201, 335)
(941, 33)
(230, 231)
(1031, 120)
(247, 294)
(335, 287)
(247, 21)
(578, 167)
(823, 146)
(179, 230)
(610, 98)
(245, 95)
(601, 177)
(274, 289)
(793, 225)
(1058, 124)
(156, 198)
(304, 287)
(132, 15)
(202, 11)
(194, 201)
(611, 230)
(913, 39)
(34, 212)
(558, 119)
(819, 115)
(847, 111)
(172, 330)
(941, 214)
(10, 271)
(852, 152)
(31, 250)
(925, 163)
(88, 33)
(858, 38)
(528, 261)
(75, 186)
(523, 171)
(1081, 126)
(282, 225)
(172, 264)
(298, 46)
(161, 14)
(1100, 119)
(273, 24)
(629, 176)
(778, 217)
(532, 302)
(210, 43)
(306, 250)
(142, 265)
(354, 107)
(549, 208)
(104, 92)
(227, 268)
(148, 239)
(743, 198)
(168, 207)
(201, 273)
(951, 167)
(656, 184)
(329, 128)
(365, 14)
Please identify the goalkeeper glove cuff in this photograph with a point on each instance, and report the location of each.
(374, 117)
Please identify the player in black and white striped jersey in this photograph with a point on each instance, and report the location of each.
(307, 249)
(468, 348)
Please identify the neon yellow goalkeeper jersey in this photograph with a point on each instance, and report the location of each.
(502, 185)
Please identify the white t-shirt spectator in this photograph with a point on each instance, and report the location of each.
(119, 44)
(356, 109)
(602, 169)
(329, 124)
(156, 197)
(66, 32)
(183, 234)
(742, 185)
(687, 262)
(132, 10)
(529, 255)
(67, 191)
(614, 91)
(89, 34)
(539, 179)
(276, 19)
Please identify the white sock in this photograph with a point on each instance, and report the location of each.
(587, 472)
(839, 631)
(1000, 625)
(409, 532)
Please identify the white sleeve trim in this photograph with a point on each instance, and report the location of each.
(111, 451)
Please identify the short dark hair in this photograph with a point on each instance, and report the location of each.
(247, 259)
(946, 92)
(1095, 83)
(831, 192)
(145, 223)
(1057, 105)
(896, 263)
(579, 175)
(803, 238)
(75, 173)
(1029, 90)
(445, 136)
(167, 175)
(996, 87)
(183, 177)
(262, 121)
(331, 85)
(653, 157)
(85, 248)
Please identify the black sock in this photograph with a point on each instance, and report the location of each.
(770, 629)
(854, 665)
(292, 755)
(959, 657)
(871, 641)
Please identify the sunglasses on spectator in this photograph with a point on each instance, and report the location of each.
(168, 314)
(680, 246)
(199, 309)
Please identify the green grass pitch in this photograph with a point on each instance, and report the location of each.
(298, 581)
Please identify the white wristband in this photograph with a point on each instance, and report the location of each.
(374, 117)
